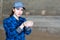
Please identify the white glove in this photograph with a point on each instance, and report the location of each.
(28, 23)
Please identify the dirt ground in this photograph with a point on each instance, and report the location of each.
(35, 35)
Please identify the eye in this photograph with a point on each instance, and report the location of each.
(22, 9)
(17, 8)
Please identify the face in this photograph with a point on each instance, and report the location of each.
(18, 12)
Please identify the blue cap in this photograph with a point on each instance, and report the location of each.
(18, 5)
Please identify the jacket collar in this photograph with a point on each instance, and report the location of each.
(16, 17)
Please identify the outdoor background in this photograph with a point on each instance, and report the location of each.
(44, 13)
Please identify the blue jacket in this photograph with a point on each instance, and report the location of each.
(12, 30)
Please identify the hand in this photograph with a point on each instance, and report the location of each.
(21, 26)
(28, 23)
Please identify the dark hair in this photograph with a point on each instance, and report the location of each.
(12, 11)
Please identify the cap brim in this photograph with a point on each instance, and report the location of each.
(21, 7)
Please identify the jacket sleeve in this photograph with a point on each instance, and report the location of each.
(10, 29)
(28, 30)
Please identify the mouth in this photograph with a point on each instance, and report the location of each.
(19, 14)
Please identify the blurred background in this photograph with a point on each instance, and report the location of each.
(44, 13)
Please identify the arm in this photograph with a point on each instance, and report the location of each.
(28, 27)
(28, 30)
(11, 29)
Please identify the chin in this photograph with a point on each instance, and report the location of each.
(19, 15)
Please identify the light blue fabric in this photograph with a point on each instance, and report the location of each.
(18, 5)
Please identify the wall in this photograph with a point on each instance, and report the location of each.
(35, 7)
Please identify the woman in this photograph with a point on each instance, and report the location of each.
(16, 26)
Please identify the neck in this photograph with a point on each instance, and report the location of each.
(16, 17)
